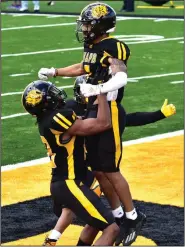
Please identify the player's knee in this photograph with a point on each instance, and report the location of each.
(113, 229)
(89, 230)
(67, 212)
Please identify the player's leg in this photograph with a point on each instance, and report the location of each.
(87, 236)
(24, 6)
(65, 219)
(108, 190)
(87, 205)
(106, 186)
(36, 6)
(110, 153)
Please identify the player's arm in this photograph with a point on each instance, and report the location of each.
(66, 122)
(143, 118)
(72, 71)
(93, 125)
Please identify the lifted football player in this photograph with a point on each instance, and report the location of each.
(62, 133)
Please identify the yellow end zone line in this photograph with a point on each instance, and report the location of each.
(43, 161)
(160, 7)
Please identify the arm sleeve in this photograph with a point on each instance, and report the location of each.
(63, 120)
(143, 118)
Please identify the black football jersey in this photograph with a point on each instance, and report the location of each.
(67, 157)
(95, 55)
(78, 108)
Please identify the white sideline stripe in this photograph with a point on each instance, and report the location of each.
(7, 94)
(15, 75)
(38, 26)
(153, 41)
(133, 79)
(41, 52)
(42, 15)
(64, 24)
(153, 138)
(156, 76)
(80, 48)
(158, 20)
(14, 115)
(45, 160)
(62, 15)
(176, 82)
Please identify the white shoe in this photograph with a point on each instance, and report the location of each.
(36, 9)
(23, 9)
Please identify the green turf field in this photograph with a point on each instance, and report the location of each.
(76, 6)
(20, 140)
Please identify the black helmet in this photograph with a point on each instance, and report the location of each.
(79, 98)
(40, 96)
(95, 20)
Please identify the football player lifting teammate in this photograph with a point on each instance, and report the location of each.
(62, 134)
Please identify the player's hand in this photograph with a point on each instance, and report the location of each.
(168, 110)
(44, 73)
(89, 90)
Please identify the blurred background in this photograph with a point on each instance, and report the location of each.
(124, 7)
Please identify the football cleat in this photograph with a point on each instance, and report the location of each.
(121, 236)
(129, 229)
(49, 242)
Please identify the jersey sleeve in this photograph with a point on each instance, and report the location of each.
(116, 49)
(143, 118)
(63, 120)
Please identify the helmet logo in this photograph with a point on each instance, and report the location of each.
(99, 11)
(34, 97)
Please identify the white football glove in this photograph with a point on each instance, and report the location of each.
(44, 73)
(90, 90)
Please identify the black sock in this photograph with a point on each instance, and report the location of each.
(81, 243)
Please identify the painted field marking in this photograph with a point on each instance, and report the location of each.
(133, 79)
(15, 115)
(63, 15)
(80, 48)
(14, 93)
(176, 82)
(15, 75)
(160, 7)
(41, 52)
(71, 23)
(45, 160)
(41, 15)
(38, 26)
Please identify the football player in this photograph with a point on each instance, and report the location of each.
(95, 23)
(79, 105)
(62, 134)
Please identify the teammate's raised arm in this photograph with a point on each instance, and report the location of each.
(93, 125)
(117, 65)
(72, 71)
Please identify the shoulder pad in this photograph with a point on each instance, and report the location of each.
(63, 120)
(116, 49)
